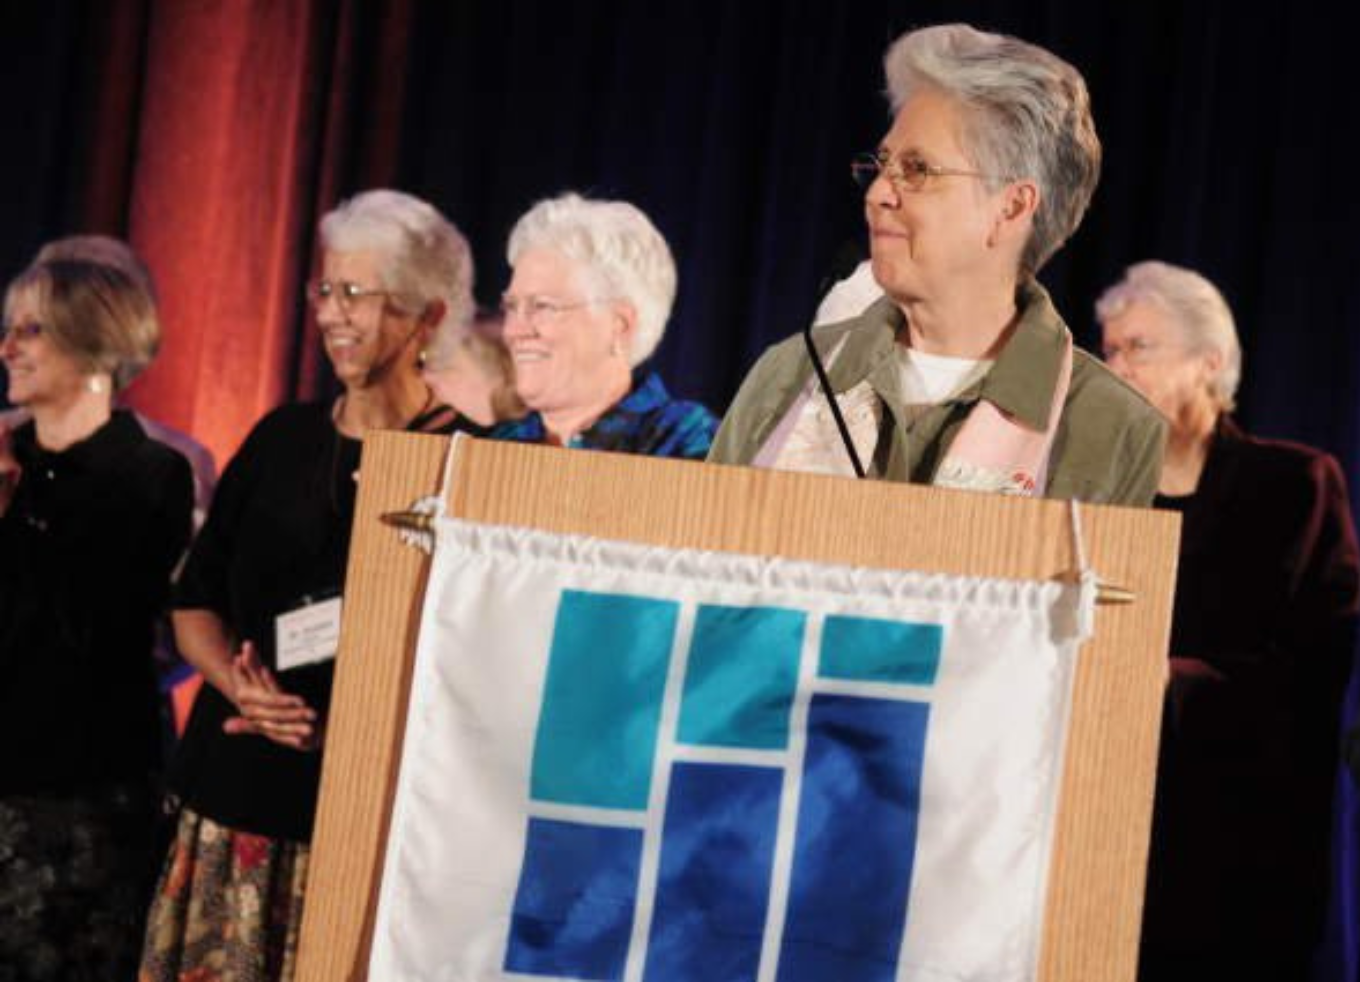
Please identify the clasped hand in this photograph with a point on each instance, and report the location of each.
(265, 708)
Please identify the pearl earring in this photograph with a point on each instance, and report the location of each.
(94, 384)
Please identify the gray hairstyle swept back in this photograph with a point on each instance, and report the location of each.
(617, 247)
(423, 255)
(1196, 305)
(1027, 115)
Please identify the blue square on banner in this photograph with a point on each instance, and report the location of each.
(573, 913)
(741, 675)
(601, 710)
(866, 649)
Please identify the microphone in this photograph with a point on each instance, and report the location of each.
(843, 263)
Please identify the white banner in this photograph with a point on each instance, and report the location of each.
(625, 762)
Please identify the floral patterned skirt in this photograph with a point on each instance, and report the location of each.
(228, 907)
(74, 877)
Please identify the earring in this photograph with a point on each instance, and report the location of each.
(94, 384)
(422, 357)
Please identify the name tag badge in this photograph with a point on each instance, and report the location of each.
(307, 635)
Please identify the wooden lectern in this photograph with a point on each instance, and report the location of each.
(1100, 853)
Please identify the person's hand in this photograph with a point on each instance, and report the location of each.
(1191, 679)
(9, 468)
(1195, 668)
(265, 708)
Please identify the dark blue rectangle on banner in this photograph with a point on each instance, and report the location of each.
(714, 881)
(574, 907)
(856, 840)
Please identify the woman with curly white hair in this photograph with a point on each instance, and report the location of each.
(961, 373)
(587, 305)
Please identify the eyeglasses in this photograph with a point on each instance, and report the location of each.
(535, 310)
(343, 292)
(1135, 351)
(20, 332)
(909, 171)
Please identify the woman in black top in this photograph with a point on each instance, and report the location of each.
(270, 556)
(93, 516)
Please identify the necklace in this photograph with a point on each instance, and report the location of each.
(338, 412)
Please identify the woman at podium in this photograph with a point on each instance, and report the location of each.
(962, 374)
(587, 305)
(258, 604)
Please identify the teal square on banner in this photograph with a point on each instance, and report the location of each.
(742, 673)
(597, 728)
(865, 649)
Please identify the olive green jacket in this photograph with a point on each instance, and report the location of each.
(1108, 447)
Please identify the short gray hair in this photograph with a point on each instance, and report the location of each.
(617, 247)
(1027, 115)
(1196, 306)
(424, 257)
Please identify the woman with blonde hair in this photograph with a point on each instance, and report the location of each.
(93, 517)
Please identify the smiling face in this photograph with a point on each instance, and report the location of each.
(932, 242)
(367, 338)
(41, 373)
(574, 346)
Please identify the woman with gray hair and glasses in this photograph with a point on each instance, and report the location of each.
(1261, 641)
(588, 302)
(258, 604)
(962, 374)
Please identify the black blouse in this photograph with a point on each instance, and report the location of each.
(277, 537)
(86, 551)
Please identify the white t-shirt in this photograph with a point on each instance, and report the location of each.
(931, 379)
(926, 379)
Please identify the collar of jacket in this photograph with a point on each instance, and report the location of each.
(1020, 383)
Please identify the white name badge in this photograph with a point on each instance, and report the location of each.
(307, 635)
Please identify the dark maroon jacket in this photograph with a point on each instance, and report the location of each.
(1266, 599)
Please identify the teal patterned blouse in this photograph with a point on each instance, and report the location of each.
(648, 420)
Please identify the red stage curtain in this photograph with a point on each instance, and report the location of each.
(249, 127)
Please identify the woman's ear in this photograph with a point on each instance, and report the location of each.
(1212, 361)
(1015, 215)
(432, 314)
(625, 328)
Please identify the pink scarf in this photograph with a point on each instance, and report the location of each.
(992, 451)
